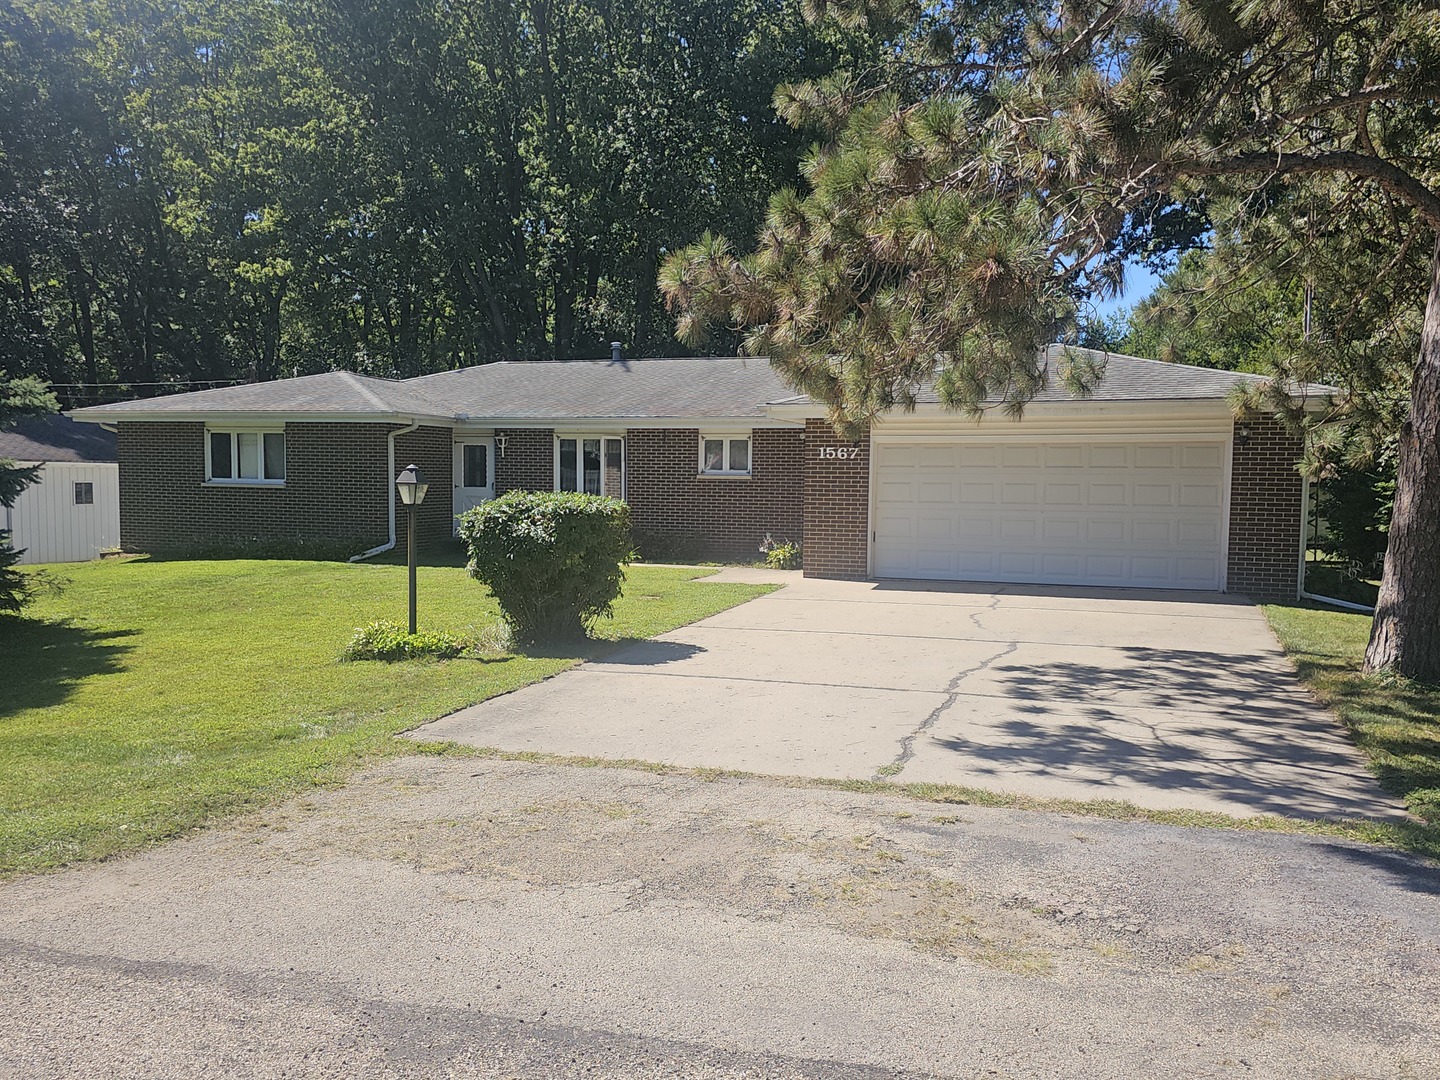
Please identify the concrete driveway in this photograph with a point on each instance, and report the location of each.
(1166, 700)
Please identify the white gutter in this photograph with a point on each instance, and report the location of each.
(389, 479)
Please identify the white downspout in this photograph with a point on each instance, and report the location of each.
(389, 479)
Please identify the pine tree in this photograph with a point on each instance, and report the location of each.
(964, 209)
(19, 398)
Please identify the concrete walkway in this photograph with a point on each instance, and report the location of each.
(1166, 700)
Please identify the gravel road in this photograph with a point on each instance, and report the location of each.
(443, 916)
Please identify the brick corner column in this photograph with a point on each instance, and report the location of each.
(837, 503)
(1266, 493)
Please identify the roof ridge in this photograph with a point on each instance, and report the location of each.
(375, 399)
(625, 360)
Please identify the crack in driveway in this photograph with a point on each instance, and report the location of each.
(952, 694)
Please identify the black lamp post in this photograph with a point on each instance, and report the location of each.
(412, 486)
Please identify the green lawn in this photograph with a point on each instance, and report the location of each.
(1394, 721)
(147, 697)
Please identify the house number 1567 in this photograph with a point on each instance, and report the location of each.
(839, 452)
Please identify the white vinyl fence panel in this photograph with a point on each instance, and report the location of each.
(52, 520)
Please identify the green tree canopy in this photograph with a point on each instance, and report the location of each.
(239, 189)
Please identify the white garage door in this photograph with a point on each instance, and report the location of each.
(1145, 515)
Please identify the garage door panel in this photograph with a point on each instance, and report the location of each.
(934, 459)
(1059, 530)
(1105, 530)
(1136, 514)
(973, 529)
(1199, 494)
(1201, 456)
(972, 494)
(1019, 529)
(935, 491)
(1198, 532)
(1154, 494)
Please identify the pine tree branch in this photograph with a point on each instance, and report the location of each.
(1390, 177)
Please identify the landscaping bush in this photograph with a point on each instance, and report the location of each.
(554, 560)
(781, 554)
(391, 641)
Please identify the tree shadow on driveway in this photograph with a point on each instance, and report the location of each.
(1235, 727)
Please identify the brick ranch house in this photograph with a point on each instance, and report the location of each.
(1148, 483)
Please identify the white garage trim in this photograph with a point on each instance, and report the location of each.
(1002, 435)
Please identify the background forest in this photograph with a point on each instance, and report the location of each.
(248, 189)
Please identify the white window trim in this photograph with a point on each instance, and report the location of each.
(211, 480)
(727, 438)
(580, 437)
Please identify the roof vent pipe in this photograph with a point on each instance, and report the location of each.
(614, 352)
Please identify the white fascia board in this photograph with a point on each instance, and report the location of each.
(607, 425)
(257, 419)
(1078, 407)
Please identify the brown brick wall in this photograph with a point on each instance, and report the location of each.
(725, 517)
(527, 462)
(433, 449)
(837, 504)
(1265, 512)
(335, 487)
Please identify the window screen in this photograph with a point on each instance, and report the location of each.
(568, 470)
(84, 493)
(274, 455)
(592, 466)
(221, 466)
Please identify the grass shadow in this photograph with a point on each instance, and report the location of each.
(48, 660)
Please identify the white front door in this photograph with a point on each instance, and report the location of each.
(474, 472)
(1143, 514)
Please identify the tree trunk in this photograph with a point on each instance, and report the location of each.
(1405, 636)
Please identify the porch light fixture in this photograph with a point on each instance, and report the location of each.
(1242, 433)
(412, 486)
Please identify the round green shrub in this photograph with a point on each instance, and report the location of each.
(553, 559)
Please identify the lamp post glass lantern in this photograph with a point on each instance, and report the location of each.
(412, 486)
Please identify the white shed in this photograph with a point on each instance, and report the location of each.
(73, 513)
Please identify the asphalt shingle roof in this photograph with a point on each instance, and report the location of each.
(57, 438)
(329, 392)
(685, 388)
(1129, 378)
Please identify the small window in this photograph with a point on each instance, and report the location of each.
(725, 456)
(250, 457)
(84, 493)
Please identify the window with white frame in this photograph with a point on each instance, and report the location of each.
(725, 455)
(594, 464)
(245, 456)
